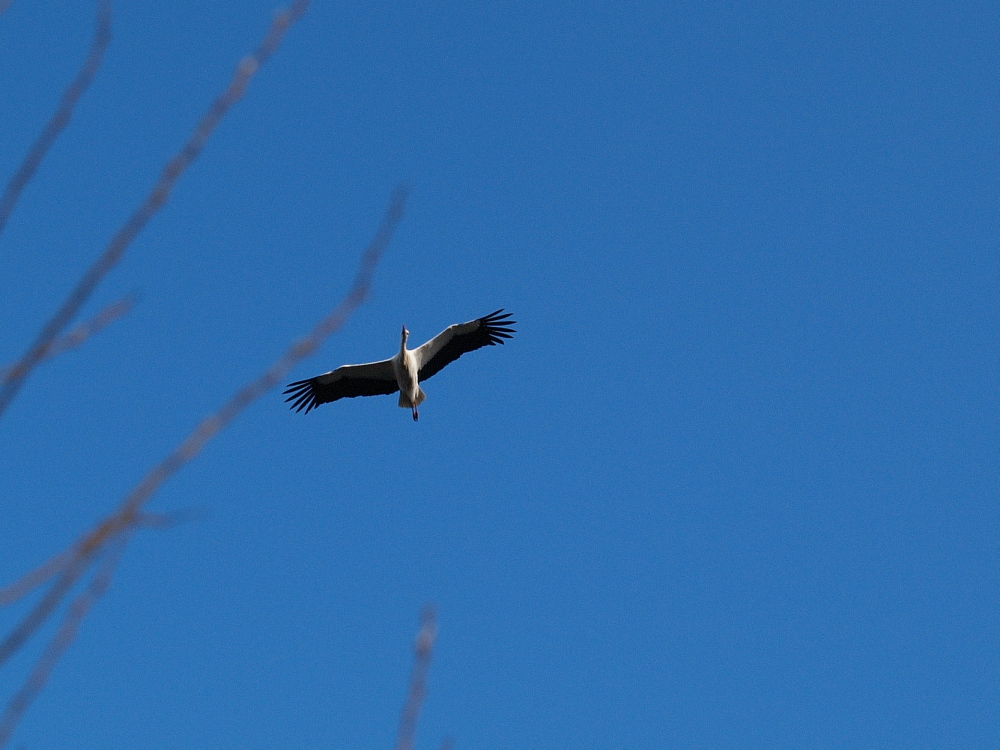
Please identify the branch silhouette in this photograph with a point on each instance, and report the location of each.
(59, 120)
(246, 69)
(77, 577)
(423, 648)
(107, 540)
(76, 336)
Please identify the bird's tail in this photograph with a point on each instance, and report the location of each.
(404, 400)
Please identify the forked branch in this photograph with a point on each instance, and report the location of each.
(153, 202)
(73, 338)
(108, 539)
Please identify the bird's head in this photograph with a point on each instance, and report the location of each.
(405, 334)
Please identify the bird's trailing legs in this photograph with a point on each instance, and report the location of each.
(416, 414)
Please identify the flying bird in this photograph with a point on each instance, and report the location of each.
(405, 371)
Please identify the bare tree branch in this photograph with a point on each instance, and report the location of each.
(60, 642)
(193, 444)
(76, 336)
(41, 611)
(52, 129)
(154, 201)
(422, 648)
(109, 537)
(30, 581)
(60, 562)
(80, 333)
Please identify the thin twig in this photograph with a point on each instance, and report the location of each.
(169, 520)
(205, 431)
(52, 129)
(92, 539)
(422, 649)
(76, 335)
(69, 566)
(154, 201)
(29, 582)
(114, 531)
(62, 639)
(41, 611)
(80, 333)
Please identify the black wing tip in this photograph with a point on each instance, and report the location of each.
(297, 385)
(296, 389)
(495, 316)
(498, 326)
(302, 396)
(496, 320)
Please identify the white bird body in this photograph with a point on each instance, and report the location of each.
(405, 371)
(406, 368)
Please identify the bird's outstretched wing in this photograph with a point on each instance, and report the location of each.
(371, 379)
(456, 340)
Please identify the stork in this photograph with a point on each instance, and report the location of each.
(406, 370)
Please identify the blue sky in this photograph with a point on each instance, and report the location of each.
(733, 483)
